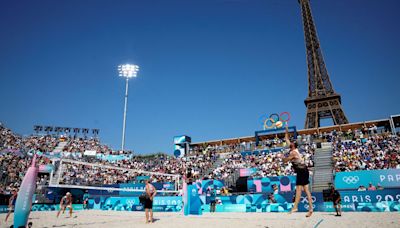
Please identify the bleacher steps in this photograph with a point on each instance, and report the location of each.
(60, 146)
(323, 168)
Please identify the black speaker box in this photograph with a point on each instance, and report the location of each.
(241, 184)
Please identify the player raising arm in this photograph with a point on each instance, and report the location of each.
(301, 171)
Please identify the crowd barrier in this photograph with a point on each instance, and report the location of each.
(264, 184)
(368, 201)
(387, 178)
(169, 186)
(372, 201)
(161, 203)
(3, 208)
(203, 185)
(79, 155)
(43, 207)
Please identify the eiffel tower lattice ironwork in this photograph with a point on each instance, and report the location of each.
(322, 101)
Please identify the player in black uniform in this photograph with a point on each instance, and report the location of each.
(336, 201)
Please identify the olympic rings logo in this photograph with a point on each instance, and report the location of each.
(306, 206)
(351, 179)
(194, 192)
(305, 201)
(275, 120)
(130, 202)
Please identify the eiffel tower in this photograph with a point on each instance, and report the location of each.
(322, 101)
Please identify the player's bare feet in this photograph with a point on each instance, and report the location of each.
(293, 210)
(309, 213)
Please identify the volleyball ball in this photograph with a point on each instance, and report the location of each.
(279, 124)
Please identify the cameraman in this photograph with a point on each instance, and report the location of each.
(335, 195)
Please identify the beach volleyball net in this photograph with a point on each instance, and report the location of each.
(71, 174)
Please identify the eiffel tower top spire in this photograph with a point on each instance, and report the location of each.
(318, 77)
(322, 100)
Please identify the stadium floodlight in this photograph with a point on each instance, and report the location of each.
(127, 71)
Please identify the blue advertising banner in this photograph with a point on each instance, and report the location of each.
(3, 209)
(53, 207)
(370, 196)
(263, 203)
(203, 185)
(369, 201)
(104, 192)
(133, 186)
(142, 178)
(264, 184)
(161, 203)
(388, 178)
(43, 207)
(374, 201)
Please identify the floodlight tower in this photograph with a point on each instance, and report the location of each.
(127, 71)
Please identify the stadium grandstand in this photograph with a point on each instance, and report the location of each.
(356, 158)
(369, 145)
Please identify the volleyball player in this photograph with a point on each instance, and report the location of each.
(66, 202)
(148, 204)
(11, 203)
(302, 175)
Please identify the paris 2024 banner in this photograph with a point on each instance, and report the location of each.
(387, 178)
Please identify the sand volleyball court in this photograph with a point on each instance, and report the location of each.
(117, 219)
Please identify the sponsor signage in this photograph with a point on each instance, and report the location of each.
(245, 172)
(377, 196)
(373, 201)
(161, 203)
(387, 178)
(90, 153)
(264, 184)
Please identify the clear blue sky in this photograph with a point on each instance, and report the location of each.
(209, 68)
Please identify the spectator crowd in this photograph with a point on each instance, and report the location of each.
(127, 170)
(373, 152)
(362, 149)
(267, 163)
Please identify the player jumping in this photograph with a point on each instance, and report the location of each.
(302, 174)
